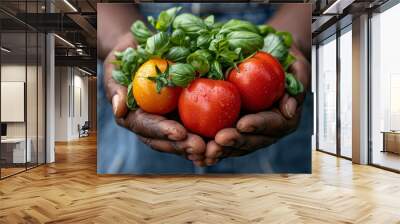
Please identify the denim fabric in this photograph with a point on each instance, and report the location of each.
(256, 13)
(120, 151)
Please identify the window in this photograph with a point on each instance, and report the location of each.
(327, 96)
(22, 78)
(385, 89)
(346, 92)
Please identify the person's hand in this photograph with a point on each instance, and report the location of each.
(255, 131)
(158, 132)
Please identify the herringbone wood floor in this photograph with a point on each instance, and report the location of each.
(70, 191)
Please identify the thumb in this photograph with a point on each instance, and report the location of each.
(119, 104)
(288, 106)
(115, 92)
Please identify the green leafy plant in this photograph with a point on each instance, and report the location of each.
(238, 25)
(199, 47)
(190, 24)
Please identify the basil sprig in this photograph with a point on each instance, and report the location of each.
(140, 32)
(248, 41)
(293, 86)
(158, 44)
(178, 74)
(181, 74)
(238, 25)
(166, 18)
(200, 60)
(199, 46)
(126, 64)
(190, 24)
(177, 54)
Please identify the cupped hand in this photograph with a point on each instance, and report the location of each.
(158, 132)
(256, 131)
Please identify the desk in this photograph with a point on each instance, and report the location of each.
(391, 141)
(15, 148)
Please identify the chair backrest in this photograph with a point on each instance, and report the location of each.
(86, 125)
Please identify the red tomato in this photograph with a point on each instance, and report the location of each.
(207, 106)
(260, 80)
(271, 61)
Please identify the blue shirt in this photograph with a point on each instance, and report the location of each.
(120, 151)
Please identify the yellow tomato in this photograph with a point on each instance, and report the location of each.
(145, 92)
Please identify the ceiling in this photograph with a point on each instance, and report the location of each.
(76, 22)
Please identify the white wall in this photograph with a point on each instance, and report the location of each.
(71, 94)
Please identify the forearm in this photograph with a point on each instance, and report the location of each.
(296, 19)
(114, 21)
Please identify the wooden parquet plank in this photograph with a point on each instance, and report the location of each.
(70, 191)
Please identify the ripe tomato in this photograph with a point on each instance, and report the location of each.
(145, 92)
(260, 80)
(207, 106)
(271, 61)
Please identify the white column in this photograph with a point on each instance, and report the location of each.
(50, 94)
(360, 90)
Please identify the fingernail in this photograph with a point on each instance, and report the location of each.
(290, 107)
(115, 101)
(247, 129)
(175, 134)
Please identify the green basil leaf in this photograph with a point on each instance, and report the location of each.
(143, 55)
(129, 61)
(158, 44)
(192, 45)
(200, 60)
(120, 77)
(130, 100)
(264, 30)
(239, 52)
(118, 54)
(228, 57)
(117, 63)
(287, 38)
(238, 25)
(218, 44)
(209, 20)
(182, 74)
(151, 21)
(217, 26)
(275, 45)
(249, 42)
(293, 86)
(178, 37)
(140, 32)
(189, 23)
(290, 59)
(166, 17)
(203, 40)
(177, 54)
(216, 71)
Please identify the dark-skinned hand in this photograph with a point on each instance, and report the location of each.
(256, 131)
(160, 133)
